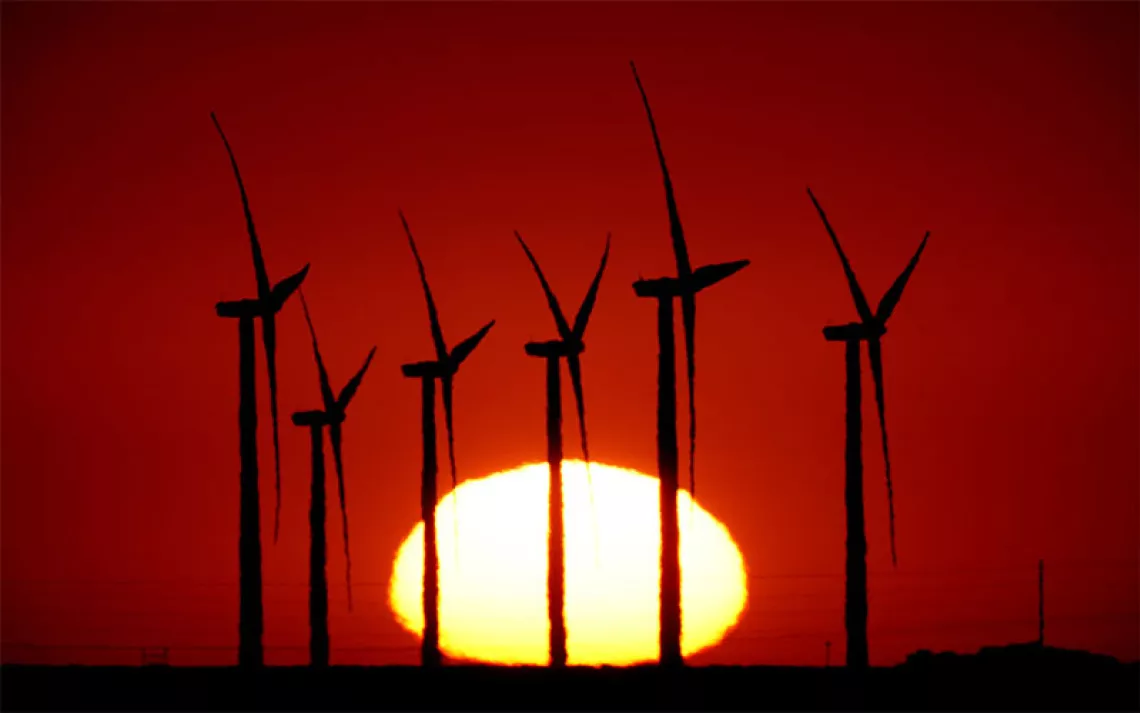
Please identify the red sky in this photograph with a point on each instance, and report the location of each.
(1010, 131)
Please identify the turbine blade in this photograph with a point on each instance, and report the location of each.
(433, 314)
(335, 435)
(856, 292)
(680, 251)
(575, 365)
(448, 412)
(282, 290)
(448, 418)
(258, 260)
(551, 300)
(891, 298)
(708, 275)
(874, 346)
(326, 390)
(350, 388)
(269, 336)
(689, 316)
(591, 297)
(463, 350)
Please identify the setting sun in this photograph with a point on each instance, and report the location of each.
(493, 596)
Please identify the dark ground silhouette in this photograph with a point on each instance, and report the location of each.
(444, 368)
(685, 285)
(1025, 677)
(568, 346)
(870, 329)
(265, 307)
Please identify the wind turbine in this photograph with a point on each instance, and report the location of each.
(331, 415)
(569, 346)
(685, 285)
(871, 328)
(443, 368)
(265, 306)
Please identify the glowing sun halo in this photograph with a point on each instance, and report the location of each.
(493, 597)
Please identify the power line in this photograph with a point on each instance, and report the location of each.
(886, 575)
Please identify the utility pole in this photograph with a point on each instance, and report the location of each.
(1040, 602)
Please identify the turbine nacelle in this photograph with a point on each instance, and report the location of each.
(424, 370)
(238, 309)
(554, 349)
(310, 419)
(854, 332)
(318, 418)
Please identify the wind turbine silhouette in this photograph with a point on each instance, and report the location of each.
(265, 306)
(331, 415)
(570, 346)
(443, 368)
(685, 285)
(871, 328)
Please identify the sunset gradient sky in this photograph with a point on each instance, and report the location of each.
(1011, 131)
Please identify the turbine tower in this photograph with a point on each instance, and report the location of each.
(871, 328)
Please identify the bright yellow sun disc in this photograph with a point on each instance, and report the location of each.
(493, 595)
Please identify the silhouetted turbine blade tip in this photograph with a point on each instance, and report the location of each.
(583, 316)
(327, 399)
(857, 295)
(349, 390)
(464, 349)
(551, 301)
(893, 295)
(260, 272)
(433, 313)
(280, 293)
